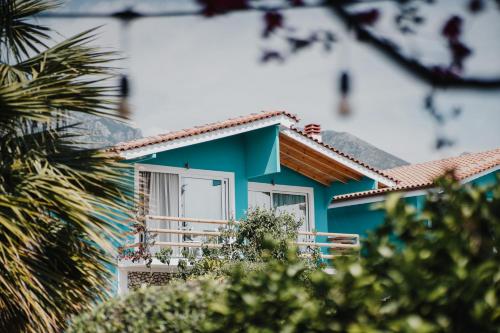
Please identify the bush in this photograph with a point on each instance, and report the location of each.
(274, 299)
(179, 307)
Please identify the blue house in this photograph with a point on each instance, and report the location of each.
(190, 182)
(193, 180)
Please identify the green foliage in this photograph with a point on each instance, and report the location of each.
(436, 271)
(258, 225)
(178, 307)
(273, 299)
(244, 244)
(61, 206)
(164, 255)
(432, 271)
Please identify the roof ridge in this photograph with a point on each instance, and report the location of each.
(200, 129)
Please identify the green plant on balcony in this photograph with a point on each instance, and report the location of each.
(244, 243)
(164, 255)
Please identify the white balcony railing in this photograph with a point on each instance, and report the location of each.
(338, 244)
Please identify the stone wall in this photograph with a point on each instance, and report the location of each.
(137, 279)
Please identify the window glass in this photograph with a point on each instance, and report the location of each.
(205, 199)
(286, 202)
(259, 199)
(295, 204)
(171, 194)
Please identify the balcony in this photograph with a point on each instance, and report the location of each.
(198, 233)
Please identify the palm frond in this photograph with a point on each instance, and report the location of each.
(18, 35)
(61, 210)
(70, 76)
(62, 207)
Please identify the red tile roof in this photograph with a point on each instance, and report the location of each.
(423, 175)
(124, 146)
(335, 150)
(151, 140)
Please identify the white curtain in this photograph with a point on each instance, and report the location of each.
(164, 201)
(294, 204)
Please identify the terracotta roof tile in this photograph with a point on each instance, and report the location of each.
(423, 175)
(124, 146)
(151, 140)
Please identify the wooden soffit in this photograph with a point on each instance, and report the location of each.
(312, 164)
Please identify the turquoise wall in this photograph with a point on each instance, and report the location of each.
(351, 186)
(262, 151)
(487, 179)
(362, 218)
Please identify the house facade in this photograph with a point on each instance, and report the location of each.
(217, 172)
(191, 182)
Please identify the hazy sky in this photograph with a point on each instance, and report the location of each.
(191, 70)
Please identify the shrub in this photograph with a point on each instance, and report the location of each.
(179, 307)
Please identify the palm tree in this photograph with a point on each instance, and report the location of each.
(60, 204)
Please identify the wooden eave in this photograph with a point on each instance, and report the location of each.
(312, 164)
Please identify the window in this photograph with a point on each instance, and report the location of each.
(204, 198)
(168, 191)
(295, 200)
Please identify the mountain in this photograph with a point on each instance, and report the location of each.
(102, 132)
(361, 150)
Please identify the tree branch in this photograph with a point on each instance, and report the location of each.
(413, 66)
(435, 77)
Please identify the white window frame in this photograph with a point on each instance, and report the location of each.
(288, 189)
(156, 266)
(190, 173)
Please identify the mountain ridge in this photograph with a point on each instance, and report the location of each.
(361, 150)
(102, 132)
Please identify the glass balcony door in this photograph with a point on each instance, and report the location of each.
(181, 192)
(294, 204)
(296, 201)
(204, 198)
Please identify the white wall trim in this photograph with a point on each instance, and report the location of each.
(122, 279)
(209, 136)
(337, 157)
(375, 198)
(265, 187)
